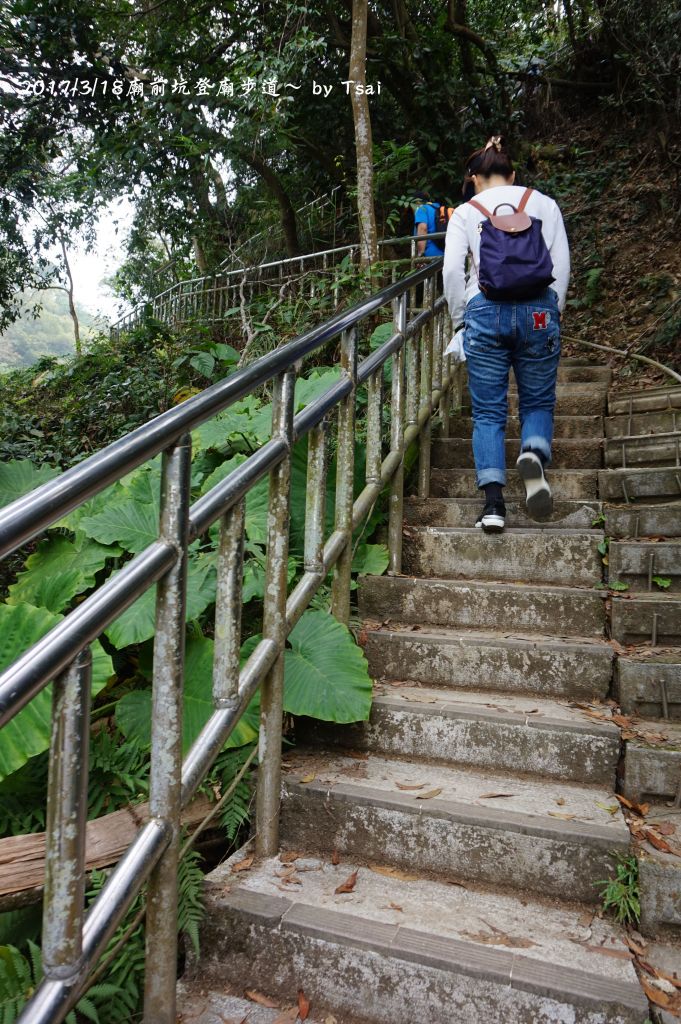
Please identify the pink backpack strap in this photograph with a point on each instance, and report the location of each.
(523, 202)
(480, 207)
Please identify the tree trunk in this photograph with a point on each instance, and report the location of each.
(288, 214)
(72, 306)
(363, 144)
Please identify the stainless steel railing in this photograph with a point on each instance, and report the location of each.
(422, 383)
(212, 296)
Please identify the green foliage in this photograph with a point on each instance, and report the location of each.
(617, 585)
(20, 477)
(326, 672)
(236, 810)
(19, 976)
(190, 904)
(663, 582)
(59, 570)
(621, 894)
(28, 733)
(119, 773)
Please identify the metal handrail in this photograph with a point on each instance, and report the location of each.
(422, 382)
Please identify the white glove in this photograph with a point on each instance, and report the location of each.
(455, 347)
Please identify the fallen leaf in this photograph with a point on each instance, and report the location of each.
(429, 795)
(419, 700)
(335, 858)
(499, 938)
(564, 817)
(288, 856)
(617, 954)
(610, 808)
(396, 906)
(308, 778)
(260, 999)
(287, 872)
(330, 1020)
(622, 720)
(404, 785)
(303, 1005)
(641, 809)
(390, 872)
(291, 880)
(348, 885)
(494, 796)
(358, 755)
(243, 865)
(560, 801)
(665, 828)
(634, 946)
(655, 994)
(657, 841)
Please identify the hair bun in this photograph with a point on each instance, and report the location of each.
(496, 141)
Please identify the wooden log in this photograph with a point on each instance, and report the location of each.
(22, 858)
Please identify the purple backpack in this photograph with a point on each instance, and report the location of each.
(514, 260)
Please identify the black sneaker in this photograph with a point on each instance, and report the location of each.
(538, 498)
(492, 517)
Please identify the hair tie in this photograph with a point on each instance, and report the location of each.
(496, 142)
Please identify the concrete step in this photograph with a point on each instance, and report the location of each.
(585, 373)
(660, 887)
(497, 731)
(577, 400)
(563, 426)
(637, 562)
(651, 450)
(649, 400)
(542, 835)
(400, 950)
(662, 520)
(639, 484)
(652, 762)
(457, 453)
(566, 484)
(198, 1005)
(507, 607)
(660, 422)
(647, 619)
(455, 512)
(477, 661)
(568, 557)
(649, 685)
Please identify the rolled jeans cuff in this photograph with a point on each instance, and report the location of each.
(540, 444)
(490, 476)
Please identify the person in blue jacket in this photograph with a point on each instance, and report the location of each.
(424, 224)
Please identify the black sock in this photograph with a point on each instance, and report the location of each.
(493, 491)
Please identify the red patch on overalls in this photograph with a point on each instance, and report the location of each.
(541, 320)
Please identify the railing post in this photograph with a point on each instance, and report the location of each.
(166, 738)
(446, 400)
(396, 499)
(274, 626)
(345, 467)
(315, 499)
(67, 789)
(426, 388)
(228, 606)
(374, 427)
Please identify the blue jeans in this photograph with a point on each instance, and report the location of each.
(499, 335)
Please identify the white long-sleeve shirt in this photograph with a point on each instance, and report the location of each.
(463, 236)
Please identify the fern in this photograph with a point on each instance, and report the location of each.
(21, 926)
(190, 904)
(118, 773)
(237, 808)
(22, 798)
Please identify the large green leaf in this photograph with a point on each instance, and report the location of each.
(129, 522)
(138, 622)
(371, 558)
(133, 711)
(58, 570)
(327, 675)
(28, 733)
(22, 476)
(235, 421)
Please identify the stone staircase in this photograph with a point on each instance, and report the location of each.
(443, 861)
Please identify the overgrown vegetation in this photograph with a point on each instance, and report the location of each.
(621, 894)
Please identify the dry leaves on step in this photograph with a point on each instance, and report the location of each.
(494, 796)
(563, 817)
(289, 1016)
(641, 809)
(303, 1005)
(260, 999)
(655, 990)
(408, 786)
(665, 828)
(289, 856)
(616, 954)
(348, 885)
(308, 778)
(657, 841)
(243, 865)
(429, 795)
(358, 755)
(391, 872)
(335, 858)
(560, 801)
(499, 938)
(396, 906)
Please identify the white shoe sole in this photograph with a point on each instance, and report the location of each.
(491, 523)
(538, 499)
